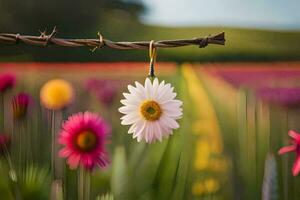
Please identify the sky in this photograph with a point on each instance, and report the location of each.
(270, 14)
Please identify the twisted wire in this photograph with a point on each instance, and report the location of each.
(46, 40)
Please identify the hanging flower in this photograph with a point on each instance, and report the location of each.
(84, 136)
(105, 90)
(20, 105)
(295, 147)
(7, 81)
(151, 110)
(56, 94)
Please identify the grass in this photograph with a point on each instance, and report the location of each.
(241, 45)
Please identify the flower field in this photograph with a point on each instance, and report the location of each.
(64, 131)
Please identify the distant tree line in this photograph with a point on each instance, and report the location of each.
(78, 17)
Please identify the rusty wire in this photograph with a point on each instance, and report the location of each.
(46, 40)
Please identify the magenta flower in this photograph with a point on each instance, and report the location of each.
(255, 77)
(84, 137)
(4, 142)
(283, 96)
(7, 81)
(295, 147)
(266, 82)
(20, 105)
(105, 90)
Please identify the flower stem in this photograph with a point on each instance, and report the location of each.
(57, 190)
(83, 184)
(57, 165)
(21, 146)
(1, 112)
(53, 144)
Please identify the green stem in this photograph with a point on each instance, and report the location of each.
(1, 112)
(53, 144)
(87, 185)
(83, 184)
(29, 154)
(20, 153)
(63, 166)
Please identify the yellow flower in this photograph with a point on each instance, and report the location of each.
(203, 150)
(212, 185)
(56, 94)
(219, 164)
(198, 188)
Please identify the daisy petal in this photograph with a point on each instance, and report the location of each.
(286, 149)
(296, 166)
(132, 129)
(148, 88)
(158, 132)
(140, 126)
(155, 87)
(128, 109)
(130, 119)
(294, 135)
(74, 160)
(65, 152)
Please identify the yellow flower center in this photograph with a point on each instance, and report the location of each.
(86, 141)
(150, 110)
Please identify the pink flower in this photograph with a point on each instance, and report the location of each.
(105, 90)
(20, 105)
(84, 137)
(4, 142)
(7, 81)
(295, 147)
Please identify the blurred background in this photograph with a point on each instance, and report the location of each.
(240, 99)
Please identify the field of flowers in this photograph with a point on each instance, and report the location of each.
(236, 117)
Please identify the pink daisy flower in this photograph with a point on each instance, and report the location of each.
(7, 81)
(84, 137)
(295, 147)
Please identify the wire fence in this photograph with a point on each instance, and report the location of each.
(45, 40)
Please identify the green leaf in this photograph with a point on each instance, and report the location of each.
(120, 183)
(35, 183)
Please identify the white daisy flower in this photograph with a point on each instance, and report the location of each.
(151, 110)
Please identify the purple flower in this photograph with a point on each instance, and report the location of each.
(257, 77)
(105, 90)
(283, 96)
(7, 81)
(272, 84)
(20, 105)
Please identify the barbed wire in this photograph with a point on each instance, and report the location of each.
(44, 40)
